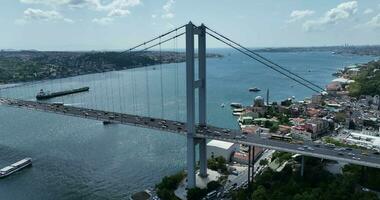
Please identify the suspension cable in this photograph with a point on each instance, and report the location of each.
(158, 37)
(262, 62)
(267, 60)
(159, 43)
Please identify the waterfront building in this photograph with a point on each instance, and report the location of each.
(216, 148)
(299, 132)
(367, 139)
(316, 99)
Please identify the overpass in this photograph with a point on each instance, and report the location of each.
(317, 150)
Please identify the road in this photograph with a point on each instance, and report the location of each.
(210, 132)
(241, 178)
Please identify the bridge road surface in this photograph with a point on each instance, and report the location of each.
(353, 156)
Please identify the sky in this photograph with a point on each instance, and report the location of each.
(120, 24)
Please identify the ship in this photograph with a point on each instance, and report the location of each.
(6, 171)
(42, 95)
(254, 89)
(236, 105)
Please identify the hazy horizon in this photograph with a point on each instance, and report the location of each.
(85, 25)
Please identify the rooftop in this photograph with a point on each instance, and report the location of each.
(220, 144)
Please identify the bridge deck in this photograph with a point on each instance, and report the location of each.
(209, 132)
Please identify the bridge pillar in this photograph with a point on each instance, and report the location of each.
(249, 164)
(202, 97)
(302, 165)
(191, 86)
(190, 105)
(252, 163)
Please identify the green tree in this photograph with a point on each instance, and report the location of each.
(260, 194)
(263, 162)
(274, 128)
(196, 193)
(217, 164)
(213, 185)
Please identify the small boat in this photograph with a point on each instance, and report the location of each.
(254, 89)
(107, 122)
(222, 105)
(238, 110)
(6, 171)
(237, 113)
(236, 105)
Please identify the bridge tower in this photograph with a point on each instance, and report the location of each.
(191, 86)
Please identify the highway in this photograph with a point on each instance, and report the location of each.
(353, 156)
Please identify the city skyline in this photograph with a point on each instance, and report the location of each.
(120, 24)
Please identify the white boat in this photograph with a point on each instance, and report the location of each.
(6, 171)
(237, 113)
(238, 110)
(236, 105)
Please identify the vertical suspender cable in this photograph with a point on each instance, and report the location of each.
(176, 85)
(112, 94)
(120, 97)
(161, 83)
(147, 91)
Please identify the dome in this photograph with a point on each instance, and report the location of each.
(259, 101)
(259, 98)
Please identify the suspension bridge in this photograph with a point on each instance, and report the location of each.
(196, 131)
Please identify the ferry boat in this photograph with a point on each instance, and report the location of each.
(236, 105)
(254, 89)
(47, 95)
(6, 171)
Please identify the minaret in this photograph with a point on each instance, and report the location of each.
(267, 97)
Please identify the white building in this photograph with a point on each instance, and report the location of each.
(216, 148)
(367, 139)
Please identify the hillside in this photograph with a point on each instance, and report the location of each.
(20, 66)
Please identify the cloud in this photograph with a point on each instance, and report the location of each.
(46, 2)
(118, 13)
(167, 15)
(374, 22)
(167, 10)
(341, 12)
(368, 11)
(300, 14)
(31, 14)
(113, 8)
(103, 20)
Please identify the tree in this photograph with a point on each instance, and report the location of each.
(268, 124)
(196, 193)
(274, 128)
(259, 194)
(166, 194)
(213, 185)
(351, 125)
(165, 189)
(340, 117)
(263, 162)
(217, 164)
